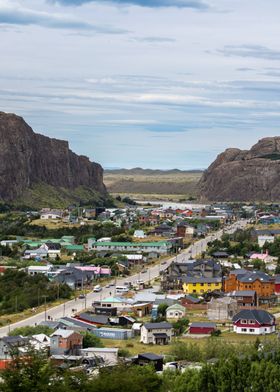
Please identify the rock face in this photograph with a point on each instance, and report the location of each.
(238, 175)
(27, 158)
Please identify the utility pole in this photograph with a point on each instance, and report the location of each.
(45, 303)
(16, 304)
(64, 309)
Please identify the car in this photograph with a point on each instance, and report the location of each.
(144, 271)
(82, 296)
(112, 284)
(107, 286)
(163, 262)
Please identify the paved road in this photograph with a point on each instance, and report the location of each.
(73, 306)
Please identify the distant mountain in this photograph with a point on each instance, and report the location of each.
(147, 181)
(29, 161)
(241, 175)
(147, 172)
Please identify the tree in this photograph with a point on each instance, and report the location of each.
(180, 326)
(30, 330)
(91, 340)
(161, 310)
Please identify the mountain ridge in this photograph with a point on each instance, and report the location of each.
(244, 175)
(28, 159)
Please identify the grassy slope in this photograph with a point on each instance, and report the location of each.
(43, 195)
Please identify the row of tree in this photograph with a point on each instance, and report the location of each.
(258, 372)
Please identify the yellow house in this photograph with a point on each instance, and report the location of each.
(192, 285)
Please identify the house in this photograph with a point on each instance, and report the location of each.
(139, 234)
(65, 341)
(97, 271)
(222, 308)
(113, 302)
(254, 322)
(265, 257)
(203, 328)
(185, 230)
(142, 309)
(172, 278)
(189, 300)
(160, 247)
(75, 277)
(156, 333)
(109, 355)
(10, 345)
(193, 285)
(40, 341)
(260, 282)
(277, 285)
(244, 298)
(39, 269)
(105, 311)
(149, 359)
(51, 214)
(175, 312)
(134, 259)
(163, 230)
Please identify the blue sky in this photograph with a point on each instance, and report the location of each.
(149, 83)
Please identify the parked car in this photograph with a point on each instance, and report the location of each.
(82, 296)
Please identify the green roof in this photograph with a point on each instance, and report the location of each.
(134, 244)
(74, 247)
(112, 299)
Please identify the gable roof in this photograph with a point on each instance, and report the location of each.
(64, 333)
(150, 356)
(176, 307)
(162, 325)
(259, 315)
(203, 325)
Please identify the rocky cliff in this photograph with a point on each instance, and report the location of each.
(27, 159)
(238, 175)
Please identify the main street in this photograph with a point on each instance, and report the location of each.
(69, 308)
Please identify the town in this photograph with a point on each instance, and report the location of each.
(132, 284)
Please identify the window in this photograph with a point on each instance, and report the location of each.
(251, 322)
(243, 321)
(194, 291)
(243, 329)
(251, 330)
(202, 284)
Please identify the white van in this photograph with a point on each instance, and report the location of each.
(122, 289)
(97, 288)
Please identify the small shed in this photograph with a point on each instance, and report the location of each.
(150, 358)
(201, 328)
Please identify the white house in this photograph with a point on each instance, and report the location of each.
(51, 214)
(156, 333)
(109, 355)
(39, 269)
(139, 234)
(254, 322)
(175, 312)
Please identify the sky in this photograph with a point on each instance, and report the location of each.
(143, 83)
